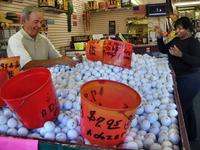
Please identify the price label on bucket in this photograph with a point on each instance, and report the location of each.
(110, 52)
(94, 50)
(106, 112)
(118, 53)
(11, 65)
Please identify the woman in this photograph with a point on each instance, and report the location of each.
(184, 56)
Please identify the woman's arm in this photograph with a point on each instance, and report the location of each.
(193, 58)
(161, 45)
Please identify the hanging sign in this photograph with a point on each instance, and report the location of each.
(117, 53)
(110, 52)
(94, 50)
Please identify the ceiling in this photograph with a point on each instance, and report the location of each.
(186, 1)
(183, 0)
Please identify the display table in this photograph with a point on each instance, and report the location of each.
(183, 143)
(184, 137)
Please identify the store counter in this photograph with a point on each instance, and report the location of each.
(72, 53)
(3, 53)
(50, 145)
(184, 143)
(139, 49)
(145, 48)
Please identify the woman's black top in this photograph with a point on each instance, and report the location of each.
(190, 61)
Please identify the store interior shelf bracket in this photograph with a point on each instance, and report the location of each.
(51, 9)
(109, 10)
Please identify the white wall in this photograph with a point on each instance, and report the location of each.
(57, 33)
(99, 21)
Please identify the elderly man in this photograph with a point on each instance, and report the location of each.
(34, 49)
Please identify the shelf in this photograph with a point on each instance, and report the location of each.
(110, 10)
(73, 50)
(72, 53)
(15, 25)
(52, 9)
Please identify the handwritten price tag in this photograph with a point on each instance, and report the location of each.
(110, 52)
(107, 109)
(103, 127)
(117, 53)
(11, 65)
(94, 50)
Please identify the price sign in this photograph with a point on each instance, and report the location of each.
(11, 65)
(110, 52)
(118, 53)
(94, 50)
(107, 109)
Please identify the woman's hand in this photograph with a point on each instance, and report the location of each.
(175, 51)
(158, 31)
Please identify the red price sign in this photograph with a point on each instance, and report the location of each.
(118, 53)
(94, 50)
(110, 52)
(11, 65)
(107, 109)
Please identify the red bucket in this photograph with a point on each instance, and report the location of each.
(107, 110)
(3, 78)
(31, 94)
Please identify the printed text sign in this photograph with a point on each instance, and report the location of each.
(110, 52)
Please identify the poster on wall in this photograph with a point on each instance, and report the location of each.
(75, 22)
(112, 27)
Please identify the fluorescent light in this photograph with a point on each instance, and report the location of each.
(186, 8)
(134, 2)
(138, 2)
(187, 3)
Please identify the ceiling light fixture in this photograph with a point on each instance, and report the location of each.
(187, 3)
(186, 8)
(134, 2)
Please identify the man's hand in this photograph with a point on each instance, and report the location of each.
(50, 62)
(79, 57)
(66, 61)
(175, 51)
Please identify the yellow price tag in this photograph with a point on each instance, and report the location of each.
(122, 38)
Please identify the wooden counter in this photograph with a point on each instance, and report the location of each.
(3, 53)
(139, 49)
(145, 48)
(184, 143)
